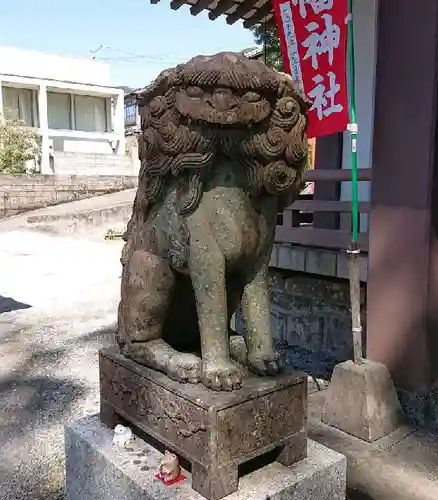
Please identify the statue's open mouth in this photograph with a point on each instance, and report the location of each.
(212, 116)
(227, 114)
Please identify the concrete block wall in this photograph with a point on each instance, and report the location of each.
(20, 193)
(68, 163)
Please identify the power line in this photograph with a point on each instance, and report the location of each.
(131, 57)
(133, 60)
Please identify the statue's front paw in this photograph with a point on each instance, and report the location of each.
(222, 377)
(264, 364)
(184, 367)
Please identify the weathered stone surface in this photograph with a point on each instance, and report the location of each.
(95, 470)
(291, 258)
(215, 431)
(361, 400)
(223, 147)
(311, 320)
(321, 262)
(420, 407)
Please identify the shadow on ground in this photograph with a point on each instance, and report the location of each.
(39, 394)
(8, 304)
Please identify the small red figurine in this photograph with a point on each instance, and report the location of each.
(170, 471)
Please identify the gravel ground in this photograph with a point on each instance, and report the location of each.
(58, 297)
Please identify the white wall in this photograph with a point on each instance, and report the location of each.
(132, 146)
(67, 163)
(365, 46)
(30, 63)
(72, 145)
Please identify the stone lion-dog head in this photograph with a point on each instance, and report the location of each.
(221, 106)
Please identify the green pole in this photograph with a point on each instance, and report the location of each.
(353, 250)
(353, 127)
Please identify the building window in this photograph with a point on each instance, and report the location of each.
(130, 112)
(20, 104)
(59, 111)
(90, 113)
(77, 112)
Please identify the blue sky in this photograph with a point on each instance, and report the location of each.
(160, 36)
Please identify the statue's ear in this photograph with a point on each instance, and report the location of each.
(301, 97)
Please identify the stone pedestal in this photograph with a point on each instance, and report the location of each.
(361, 400)
(96, 470)
(215, 431)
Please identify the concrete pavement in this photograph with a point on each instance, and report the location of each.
(400, 466)
(65, 293)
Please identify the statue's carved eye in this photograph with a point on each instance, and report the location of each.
(252, 97)
(194, 91)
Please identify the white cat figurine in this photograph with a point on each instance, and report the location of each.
(123, 436)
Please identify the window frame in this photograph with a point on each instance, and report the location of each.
(34, 117)
(73, 113)
(130, 103)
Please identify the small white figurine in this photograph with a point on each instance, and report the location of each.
(123, 436)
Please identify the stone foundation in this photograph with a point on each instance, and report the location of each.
(95, 470)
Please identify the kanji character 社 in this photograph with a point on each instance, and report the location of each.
(323, 98)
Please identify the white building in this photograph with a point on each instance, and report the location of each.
(79, 116)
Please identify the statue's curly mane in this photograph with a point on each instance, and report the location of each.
(262, 131)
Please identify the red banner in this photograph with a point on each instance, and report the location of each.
(313, 37)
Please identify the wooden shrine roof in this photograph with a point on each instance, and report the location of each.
(251, 12)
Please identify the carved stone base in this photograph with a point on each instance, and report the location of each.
(215, 431)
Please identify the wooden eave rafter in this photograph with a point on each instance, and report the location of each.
(251, 12)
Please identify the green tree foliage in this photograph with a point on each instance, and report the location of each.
(268, 38)
(18, 144)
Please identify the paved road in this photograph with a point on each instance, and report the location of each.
(58, 297)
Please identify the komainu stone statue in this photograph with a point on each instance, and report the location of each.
(223, 147)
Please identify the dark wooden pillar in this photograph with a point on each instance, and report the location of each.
(328, 156)
(402, 319)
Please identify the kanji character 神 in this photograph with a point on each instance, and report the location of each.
(321, 43)
(323, 98)
(317, 6)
